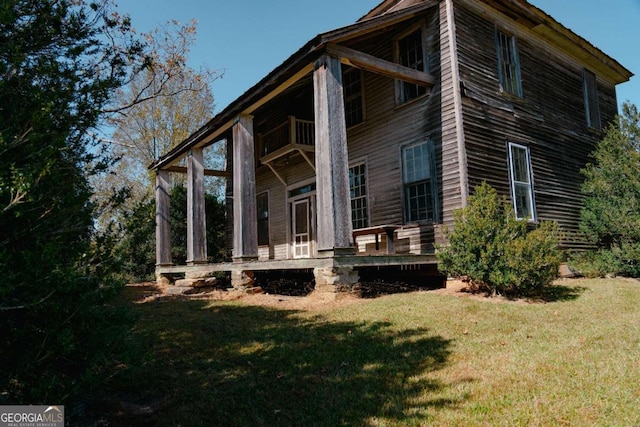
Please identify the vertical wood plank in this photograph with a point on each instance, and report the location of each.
(457, 102)
(332, 164)
(245, 221)
(196, 217)
(163, 224)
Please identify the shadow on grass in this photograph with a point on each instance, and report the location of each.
(225, 364)
(558, 293)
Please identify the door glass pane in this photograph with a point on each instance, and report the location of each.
(301, 221)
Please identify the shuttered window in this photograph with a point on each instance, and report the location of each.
(508, 64)
(358, 190)
(420, 190)
(590, 89)
(521, 182)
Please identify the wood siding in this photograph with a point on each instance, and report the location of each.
(549, 119)
(379, 141)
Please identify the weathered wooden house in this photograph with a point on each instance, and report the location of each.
(358, 148)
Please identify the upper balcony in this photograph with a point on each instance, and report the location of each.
(291, 136)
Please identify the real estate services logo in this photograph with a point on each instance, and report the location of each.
(32, 416)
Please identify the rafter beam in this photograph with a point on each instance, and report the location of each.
(368, 62)
(207, 172)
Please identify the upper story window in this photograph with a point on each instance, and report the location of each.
(358, 190)
(420, 191)
(262, 202)
(508, 64)
(521, 181)
(590, 89)
(410, 51)
(353, 105)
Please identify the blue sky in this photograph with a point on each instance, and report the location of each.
(249, 38)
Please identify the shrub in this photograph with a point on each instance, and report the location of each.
(496, 251)
(611, 214)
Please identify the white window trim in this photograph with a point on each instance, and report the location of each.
(433, 178)
(512, 181)
(366, 185)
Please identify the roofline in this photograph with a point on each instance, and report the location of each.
(293, 64)
(316, 46)
(624, 73)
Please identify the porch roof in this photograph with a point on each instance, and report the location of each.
(387, 13)
(291, 70)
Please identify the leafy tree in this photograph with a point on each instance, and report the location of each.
(495, 250)
(60, 62)
(156, 110)
(136, 250)
(611, 213)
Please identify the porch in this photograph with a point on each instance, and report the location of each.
(329, 274)
(291, 127)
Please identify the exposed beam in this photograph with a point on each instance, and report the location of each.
(277, 174)
(278, 90)
(303, 154)
(207, 172)
(380, 66)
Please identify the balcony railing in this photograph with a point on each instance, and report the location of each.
(293, 134)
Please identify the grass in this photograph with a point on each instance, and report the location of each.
(401, 360)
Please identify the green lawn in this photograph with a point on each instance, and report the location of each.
(402, 360)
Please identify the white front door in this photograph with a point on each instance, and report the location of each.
(301, 226)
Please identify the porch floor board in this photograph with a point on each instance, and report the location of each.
(304, 264)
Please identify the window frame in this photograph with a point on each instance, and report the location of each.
(513, 183)
(400, 85)
(430, 183)
(513, 64)
(591, 104)
(360, 163)
(359, 95)
(261, 242)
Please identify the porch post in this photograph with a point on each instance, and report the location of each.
(163, 224)
(245, 221)
(332, 163)
(196, 217)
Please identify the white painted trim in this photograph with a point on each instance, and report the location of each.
(511, 145)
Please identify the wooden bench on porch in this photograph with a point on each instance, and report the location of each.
(388, 229)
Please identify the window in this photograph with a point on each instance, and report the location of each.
(410, 52)
(521, 182)
(508, 64)
(358, 190)
(590, 89)
(352, 85)
(263, 218)
(420, 191)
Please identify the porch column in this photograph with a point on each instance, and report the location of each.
(245, 220)
(163, 224)
(196, 217)
(332, 163)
